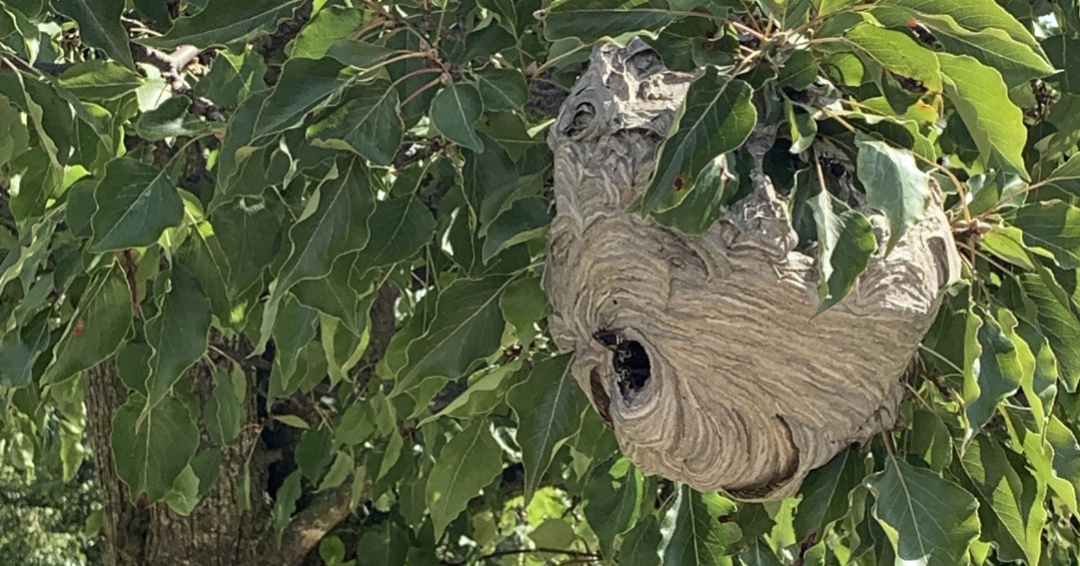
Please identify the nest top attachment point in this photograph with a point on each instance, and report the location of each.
(704, 352)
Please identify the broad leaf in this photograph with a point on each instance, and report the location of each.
(996, 371)
(894, 185)
(367, 123)
(99, 80)
(454, 110)
(222, 22)
(97, 328)
(224, 411)
(974, 15)
(135, 204)
(898, 53)
(846, 242)
(715, 118)
(502, 89)
(826, 494)
(399, 229)
(614, 497)
(928, 520)
(467, 464)
(152, 448)
(589, 20)
(177, 335)
(548, 405)
(640, 545)
(697, 538)
(99, 26)
(979, 95)
(1053, 226)
(304, 84)
(467, 326)
(334, 223)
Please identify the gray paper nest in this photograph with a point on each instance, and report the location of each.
(703, 352)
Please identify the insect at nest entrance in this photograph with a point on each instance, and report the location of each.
(629, 360)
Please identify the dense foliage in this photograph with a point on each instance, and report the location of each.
(248, 187)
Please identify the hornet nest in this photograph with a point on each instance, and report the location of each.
(703, 352)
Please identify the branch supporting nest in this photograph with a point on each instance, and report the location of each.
(704, 352)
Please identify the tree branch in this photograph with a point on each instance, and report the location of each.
(310, 525)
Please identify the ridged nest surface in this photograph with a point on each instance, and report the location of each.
(703, 352)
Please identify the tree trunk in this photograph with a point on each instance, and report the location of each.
(219, 530)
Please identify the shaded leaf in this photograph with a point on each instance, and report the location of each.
(99, 26)
(467, 464)
(224, 412)
(927, 519)
(548, 405)
(98, 79)
(222, 22)
(589, 20)
(897, 52)
(995, 373)
(640, 545)
(96, 329)
(826, 494)
(367, 123)
(502, 89)
(846, 242)
(1053, 226)
(697, 538)
(399, 229)
(135, 204)
(454, 110)
(152, 448)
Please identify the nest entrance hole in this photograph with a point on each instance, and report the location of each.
(629, 360)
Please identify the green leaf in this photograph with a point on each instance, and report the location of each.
(96, 329)
(135, 204)
(639, 546)
(178, 335)
(715, 118)
(232, 77)
(489, 179)
(1067, 176)
(526, 219)
(225, 410)
(367, 123)
(285, 502)
(467, 464)
(455, 110)
(759, 555)
(894, 185)
(98, 79)
(548, 405)
(339, 471)
(1011, 507)
(152, 447)
(928, 520)
(523, 305)
(846, 242)
(333, 224)
(99, 26)
(1017, 62)
(170, 119)
(502, 89)
(897, 52)
(400, 228)
(359, 54)
(467, 326)
(697, 537)
(1053, 226)
(996, 371)
(19, 350)
(303, 85)
(313, 453)
(826, 494)
(974, 15)
(223, 22)
(326, 27)
(249, 237)
(14, 136)
(979, 95)
(614, 497)
(590, 20)
(1058, 323)
(356, 426)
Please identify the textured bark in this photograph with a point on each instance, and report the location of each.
(747, 390)
(218, 532)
